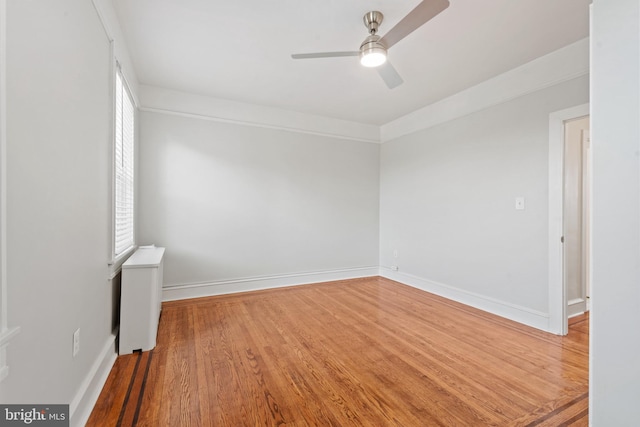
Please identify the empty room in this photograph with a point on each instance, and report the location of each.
(364, 213)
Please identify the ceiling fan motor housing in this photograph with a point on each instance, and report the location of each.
(372, 21)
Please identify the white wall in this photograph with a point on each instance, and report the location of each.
(447, 205)
(615, 121)
(59, 98)
(231, 202)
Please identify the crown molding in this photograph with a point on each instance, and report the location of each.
(567, 63)
(160, 100)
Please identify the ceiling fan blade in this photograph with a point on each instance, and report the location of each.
(323, 55)
(414, 20)
(389, 75)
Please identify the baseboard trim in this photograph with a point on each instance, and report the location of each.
(526, 316)
(87, 396)
(197, 290)
(576, 307)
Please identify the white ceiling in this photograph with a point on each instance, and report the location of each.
(240, 50)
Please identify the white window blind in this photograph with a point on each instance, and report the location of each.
(123, 168)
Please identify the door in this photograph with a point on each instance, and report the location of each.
(576, 214)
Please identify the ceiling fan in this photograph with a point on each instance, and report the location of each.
(373, 50)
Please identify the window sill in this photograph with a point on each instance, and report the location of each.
(116, 264)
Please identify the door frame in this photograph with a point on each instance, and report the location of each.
(558, 323)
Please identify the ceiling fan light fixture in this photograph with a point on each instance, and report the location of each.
(372, 52)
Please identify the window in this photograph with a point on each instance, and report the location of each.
(123, 168)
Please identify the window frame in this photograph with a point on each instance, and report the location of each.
(121, 93)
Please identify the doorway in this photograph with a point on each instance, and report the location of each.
(558, 292)
(576, 208)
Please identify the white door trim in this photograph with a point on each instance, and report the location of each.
(557, 290)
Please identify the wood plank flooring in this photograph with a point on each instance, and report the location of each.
(364, 352)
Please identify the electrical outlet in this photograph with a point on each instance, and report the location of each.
(76, 342)
(394, 267)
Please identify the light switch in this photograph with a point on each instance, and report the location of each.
(519, 203)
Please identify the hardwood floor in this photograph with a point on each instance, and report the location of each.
(364, 352)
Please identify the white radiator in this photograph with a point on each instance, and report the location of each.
(141, 300)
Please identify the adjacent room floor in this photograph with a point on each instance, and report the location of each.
(363, 352)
